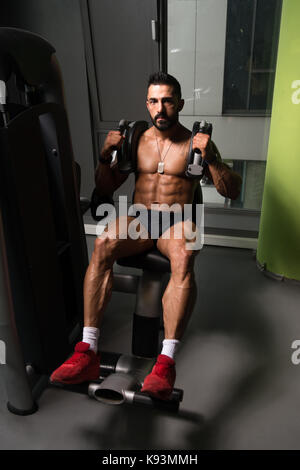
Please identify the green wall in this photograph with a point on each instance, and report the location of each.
(279, 234)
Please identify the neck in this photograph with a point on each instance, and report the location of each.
(168, 134)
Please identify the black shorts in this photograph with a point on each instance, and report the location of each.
(158, 222)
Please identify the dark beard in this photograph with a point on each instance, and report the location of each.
(164, 125)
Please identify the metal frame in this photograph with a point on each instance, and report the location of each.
(162, 10)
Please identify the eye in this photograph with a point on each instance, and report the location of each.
(168, 101)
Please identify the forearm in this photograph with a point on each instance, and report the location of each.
(227, 182)
(108, 179)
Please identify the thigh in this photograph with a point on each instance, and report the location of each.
(121, 234)
(181, 241)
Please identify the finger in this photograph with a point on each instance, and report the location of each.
(201, 141)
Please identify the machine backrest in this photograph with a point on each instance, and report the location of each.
(40, 207)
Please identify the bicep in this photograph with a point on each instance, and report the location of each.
(119, 178)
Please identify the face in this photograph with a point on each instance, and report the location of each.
(163, 106)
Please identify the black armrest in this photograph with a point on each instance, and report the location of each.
(85, 204)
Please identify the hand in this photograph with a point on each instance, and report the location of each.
(114, 139)
(203, 143)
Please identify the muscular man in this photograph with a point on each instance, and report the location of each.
(160, 179)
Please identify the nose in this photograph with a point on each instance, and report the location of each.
(160, 106)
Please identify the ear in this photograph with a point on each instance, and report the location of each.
(180, 105)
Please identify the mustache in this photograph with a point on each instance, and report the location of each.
(160, 115)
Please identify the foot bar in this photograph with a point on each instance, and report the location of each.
(124, 384)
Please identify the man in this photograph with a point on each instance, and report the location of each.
(160, 179)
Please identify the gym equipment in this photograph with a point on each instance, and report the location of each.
(195, 163)
(115, 156)
(43, 250)
(42, 271)
(127, 154)
(96, 201)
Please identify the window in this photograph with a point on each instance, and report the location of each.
(250, 55)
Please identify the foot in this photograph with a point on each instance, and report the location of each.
(160, 383)
(82, 366)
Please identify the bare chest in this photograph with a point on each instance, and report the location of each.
(168, 159)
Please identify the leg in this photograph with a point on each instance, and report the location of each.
(178, 302)
(98, 280)
(84, 364)
(181, 292)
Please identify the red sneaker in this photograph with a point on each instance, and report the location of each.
(82, 366)
(160, 383)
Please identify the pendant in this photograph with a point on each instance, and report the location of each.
(160, 168)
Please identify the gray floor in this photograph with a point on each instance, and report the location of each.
(241, 390)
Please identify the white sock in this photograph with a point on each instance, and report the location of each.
(169, 347)
(91, 336)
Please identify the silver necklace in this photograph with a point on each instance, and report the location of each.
(161, 164)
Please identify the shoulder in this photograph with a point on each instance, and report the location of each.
(147, 136)
(149, 133)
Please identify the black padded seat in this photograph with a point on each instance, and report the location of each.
(152, 260)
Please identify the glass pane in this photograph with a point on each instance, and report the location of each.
(266, 34)
(253, 175)
(260, 87)
(238, 52)
(251, 48)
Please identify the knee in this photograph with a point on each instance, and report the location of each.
(103, 249)
(182, 259)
